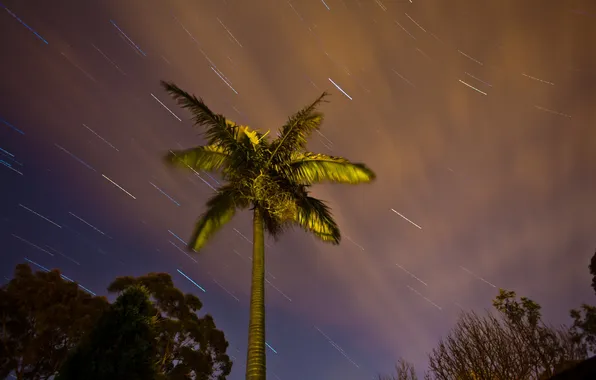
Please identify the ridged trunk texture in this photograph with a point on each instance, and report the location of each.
(255, 358)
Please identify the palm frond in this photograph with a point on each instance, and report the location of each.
(310, 168)
(221, 208)
(315, 216)
(245, 133)
(273, 226)
(295, 133)
(218, 129)
(207, 158)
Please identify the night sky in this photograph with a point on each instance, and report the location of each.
(479, 118)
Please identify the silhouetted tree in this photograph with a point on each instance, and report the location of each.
(42, 317)
(584, 318)
(586, 370)
(404, 370)
(120, 346)
(271, 177)
(187, 346)
(552, 349)
(515, 344)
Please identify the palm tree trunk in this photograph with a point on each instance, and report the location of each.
(255, 359)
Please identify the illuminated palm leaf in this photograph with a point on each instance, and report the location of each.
(310, 168)
(218, 129)
(295, 133)
(221, 208)
(207, 158)
(246, 135)
(315, 216)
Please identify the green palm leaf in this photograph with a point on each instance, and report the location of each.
(315, 216)
(295, 133)
(245, 134)
(207, 158)
(310, 168)
(219, 130)
(221, 208)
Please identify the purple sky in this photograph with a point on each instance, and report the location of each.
(478, 116)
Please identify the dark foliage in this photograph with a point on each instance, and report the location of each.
(404, 370)
(515, 344)
(585, 370)
(42, 317)
(121, 345)
(584, 318)
(187, 346)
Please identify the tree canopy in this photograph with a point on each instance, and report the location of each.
(187, 346)
(43, 316)
(584, 318)
(404, 370)
(120, 346)
(515, 344)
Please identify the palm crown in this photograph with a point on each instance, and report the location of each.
(271, 175)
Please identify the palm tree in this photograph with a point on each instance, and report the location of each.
(272, 178)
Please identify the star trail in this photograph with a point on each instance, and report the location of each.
(478, 118)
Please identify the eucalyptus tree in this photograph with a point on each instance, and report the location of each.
(271, 177)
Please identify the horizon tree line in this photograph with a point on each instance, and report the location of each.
(514, 343)
(50, 327)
